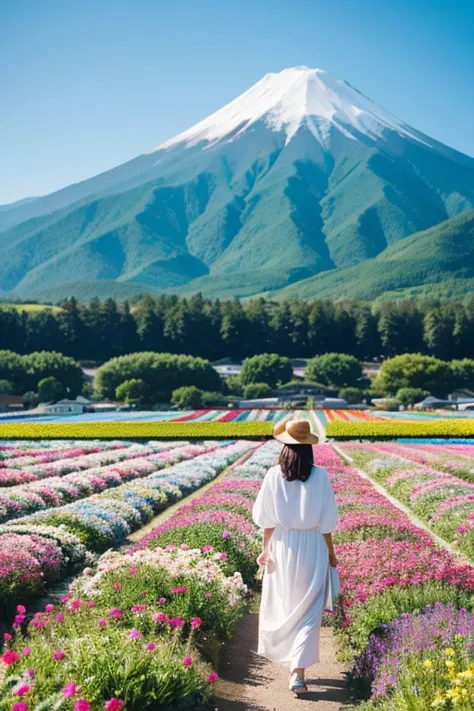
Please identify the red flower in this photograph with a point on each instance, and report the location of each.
(10, 657)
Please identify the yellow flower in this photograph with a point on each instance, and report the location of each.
(428, 663)
(450, 652)
(449, 663)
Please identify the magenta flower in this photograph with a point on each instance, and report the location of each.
(21, 609)
(66, 598)
(133, 571)
(49, 608)
(59, 654)
(179, 590)
(91, 605)
(60, 617)
(26, 651)
(212, 678)
(134, 634)
(113, 705)
(138, 608)
(195, 622)
(187, 661)
(177, 622)
(70, 690)
(222, 556)
(117, 586)
(9, 658)
(7, 637)
(102, 622)
(207, 549)
(160, 617)
(226, 534)
(162, 601)
(30, 673)
(150, 646)
(116, 613)
(76, 604)
(82, 705)
(22, 690)
(20, 706)
(208, 596)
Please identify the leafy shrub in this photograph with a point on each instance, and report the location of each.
(335, 369)
(410, 396)
(267, 368)
(50, 390)
(351, 395)
(414, 370)
(188, 397)
(131, 391)
(254, 391)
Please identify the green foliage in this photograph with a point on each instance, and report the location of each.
(25, 371)
(267, 368)
(30, 400)
(410, 396)
(233, 385)
(50, 390)
(254, 391)
(414, 370)
(188, 397)
(335, 369)
(463, 373)
(351, 395)
(132, 391)
(6, 388)
(161, 372)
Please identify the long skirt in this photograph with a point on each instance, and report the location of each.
(293, 598)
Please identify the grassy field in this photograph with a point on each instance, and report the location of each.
(30, 308)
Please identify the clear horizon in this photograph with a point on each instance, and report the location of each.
(89, 87)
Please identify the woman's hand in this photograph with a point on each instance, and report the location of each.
(333, 560)
(262, 559)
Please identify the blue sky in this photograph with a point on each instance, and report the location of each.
(88, 84)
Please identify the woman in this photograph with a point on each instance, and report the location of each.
(297, 510)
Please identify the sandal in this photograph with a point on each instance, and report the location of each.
(297, 685)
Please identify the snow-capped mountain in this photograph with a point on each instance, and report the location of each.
(300, 175)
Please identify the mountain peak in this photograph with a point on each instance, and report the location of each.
(294, 97)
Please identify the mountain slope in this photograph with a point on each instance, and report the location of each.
(439, 260)
(301, 175)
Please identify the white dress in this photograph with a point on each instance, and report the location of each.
(294, 593)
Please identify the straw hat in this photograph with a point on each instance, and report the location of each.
(294, 432)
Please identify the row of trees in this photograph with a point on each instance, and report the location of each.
(213, 330)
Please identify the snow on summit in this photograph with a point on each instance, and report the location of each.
(286, 100)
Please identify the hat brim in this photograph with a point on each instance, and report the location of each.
(286, 438)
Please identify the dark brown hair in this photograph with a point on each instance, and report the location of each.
(296, 461)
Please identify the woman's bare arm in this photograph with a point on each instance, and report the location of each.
(332, 554)
(264, 555)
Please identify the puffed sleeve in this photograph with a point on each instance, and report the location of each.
(264, 508)
(329, 513)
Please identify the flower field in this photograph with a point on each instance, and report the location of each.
(387, 430)
(37, 549)
(142, 627)
(436, 482)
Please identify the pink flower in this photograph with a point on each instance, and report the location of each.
(184, 547)
(177, 622)
(60, 617)
(66, 598)
(21, 609)
(59, 654)
(102, 622)
(187, 661)
(138, 608)
(162, 601)
(208, 596)
(82, 705)
(160, 617)
(179, 590)
(116, 613)
(20, 706)
(91, 605)
(133, 571)
(207, 549)
(134, 634)
(212, 678)
(70, 690)
(76, 604)
(22, 690)
(7, 637)
(113, 705)
(196, 622)
(30, 673)
(117, 586)
(26, 651)
(150, 646)
(225, 534)
(222, 556)
(10, 658)
(170, 547)
(49, 608)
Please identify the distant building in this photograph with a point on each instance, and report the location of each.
(67, 407)
(10, 403)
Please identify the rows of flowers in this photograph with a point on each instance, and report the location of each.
(396, 583)
(141, 629)
(443, 500)
(135, 430)
(93, 474)
(393, 429)
(38, 550)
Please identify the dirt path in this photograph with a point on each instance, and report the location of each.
(251, 683)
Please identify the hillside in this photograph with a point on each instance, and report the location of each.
(300, 176)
